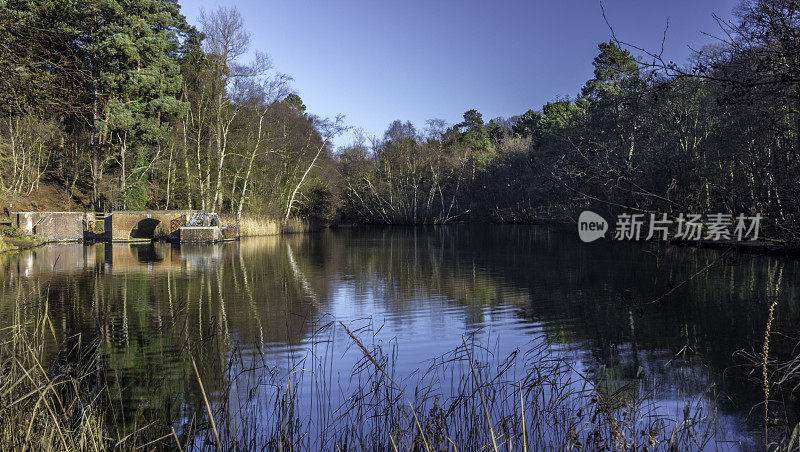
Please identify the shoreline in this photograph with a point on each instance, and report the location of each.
(12, 245)
(764, 246)
(271, 227)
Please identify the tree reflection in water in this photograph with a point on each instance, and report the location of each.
(138, 312)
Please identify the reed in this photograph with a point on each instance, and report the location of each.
(472, 398)
(43, 409)
(764, 373)
(254, 226)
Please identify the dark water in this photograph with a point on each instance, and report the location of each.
(620, 312)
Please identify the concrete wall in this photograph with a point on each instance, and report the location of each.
(25, 221)
(53, 226)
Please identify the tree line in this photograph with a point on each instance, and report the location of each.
(719, 133)
(125, 103)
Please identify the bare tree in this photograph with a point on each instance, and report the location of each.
(226, 42)
(269, 92)
(328, 130)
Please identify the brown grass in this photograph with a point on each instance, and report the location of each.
(254, 226)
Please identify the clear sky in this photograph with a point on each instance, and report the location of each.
(377, 60)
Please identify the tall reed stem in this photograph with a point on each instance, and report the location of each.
(764, 371)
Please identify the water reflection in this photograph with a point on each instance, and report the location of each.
(633, 318)
(73, 259)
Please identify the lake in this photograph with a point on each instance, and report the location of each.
(681, 325)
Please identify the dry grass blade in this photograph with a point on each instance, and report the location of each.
(480, 391)
(380, 368)
(177, 442)
(208, 406)
(765, 375)
(522, 412)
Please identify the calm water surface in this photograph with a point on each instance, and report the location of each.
(620, 312)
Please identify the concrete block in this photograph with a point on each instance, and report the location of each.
(204, 234)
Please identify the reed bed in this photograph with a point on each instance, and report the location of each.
(46, 406)
(253, 226)
(469, 399)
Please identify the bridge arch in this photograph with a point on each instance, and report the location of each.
(145, 228)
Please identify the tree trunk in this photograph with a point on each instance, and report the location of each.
(122, 176)
(294, 193)
(249, 170)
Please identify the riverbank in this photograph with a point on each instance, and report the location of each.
(775, 247)
(9, 245)
(764, 245)
(12, 239)
(761, 246)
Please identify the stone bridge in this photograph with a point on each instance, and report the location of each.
(177, 225)
(126, 226)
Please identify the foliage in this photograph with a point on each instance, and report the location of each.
(475, 136)
(13, 231)
(124, 100)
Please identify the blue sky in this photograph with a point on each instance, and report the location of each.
(377, 61)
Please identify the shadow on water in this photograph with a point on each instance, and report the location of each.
(631, 316)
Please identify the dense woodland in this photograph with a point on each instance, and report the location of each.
(122, 104)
